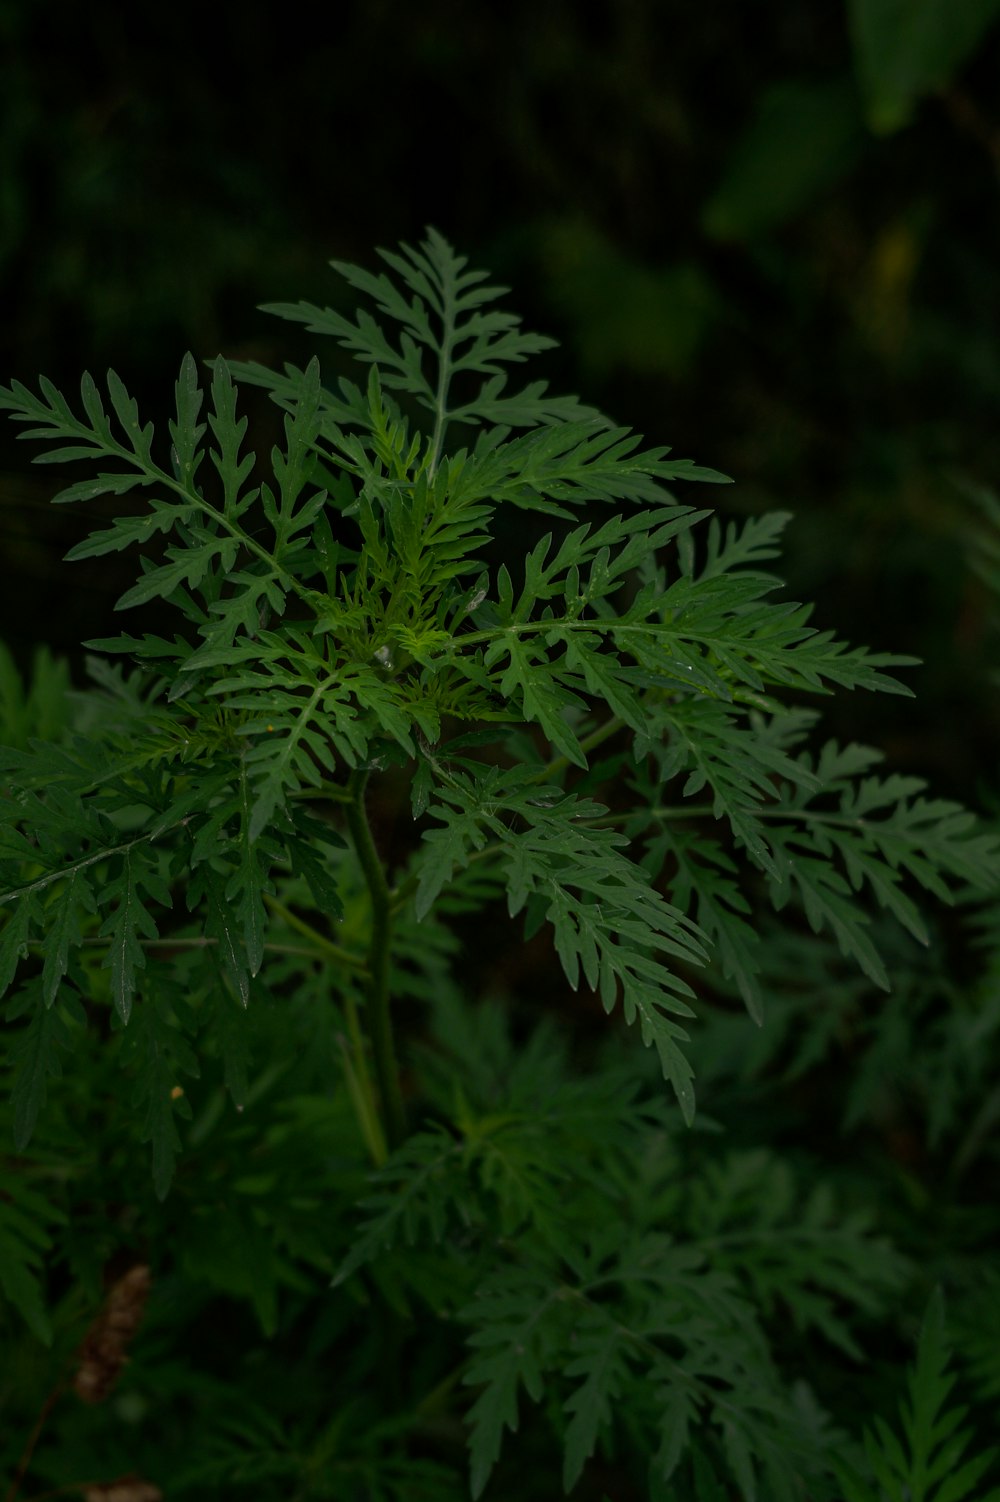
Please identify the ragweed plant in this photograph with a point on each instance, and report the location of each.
(608, 729)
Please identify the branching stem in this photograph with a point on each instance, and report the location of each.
(331, 951)
(356, 1074)
(444, 381)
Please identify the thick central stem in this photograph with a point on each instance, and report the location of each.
(378, 1008)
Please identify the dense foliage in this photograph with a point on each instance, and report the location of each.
(394, 1213)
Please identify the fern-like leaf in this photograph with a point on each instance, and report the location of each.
(36, 1053)
(929, 1462)
(610, 926)
(416, 1191)
(28, 1224)
(157, 1051)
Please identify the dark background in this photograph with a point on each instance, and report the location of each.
(765, 234)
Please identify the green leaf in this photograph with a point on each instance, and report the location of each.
(608, 923)
(927, 1465)
(446, 850)
(155, 1050)
(130, 919)
(826, 898)
(15, 935)
(35, 1054)
(229, 432)
(222, 924)
(38, 708)
(602, 1365)
(675, 1423)
(307, 862)
(903, 51)
(542, 699)
(702, 879)
(415, 1193)
(801, 1255)
(186, 432)
(880, 830)
(510, 1341)
(126, 530)
(230, 1028)
(227, 1249)
(648, 317)
(707, 1488)
(805, 135)
(437, 304)
(27, 1223)
(65, 932)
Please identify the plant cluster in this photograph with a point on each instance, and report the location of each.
(244, 875)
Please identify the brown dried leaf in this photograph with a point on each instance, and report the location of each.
(129, 1488)
(105, 1346)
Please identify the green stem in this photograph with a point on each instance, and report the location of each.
(435, 1401)
(356, 1075)
(444, 381)
(87, 860)
(589, 743)
(328, 794)
(400, 896)
(330, 950)
(202, 941)
(379, 1014)
(360, 1090)
(982, 1125)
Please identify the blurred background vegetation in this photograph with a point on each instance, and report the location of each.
(767, 235)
